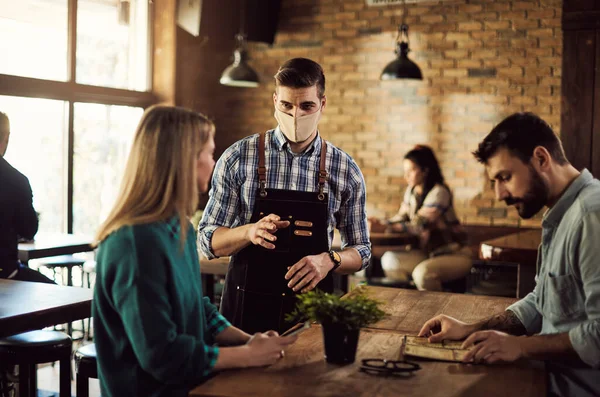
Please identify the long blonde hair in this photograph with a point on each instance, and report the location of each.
(160, 177)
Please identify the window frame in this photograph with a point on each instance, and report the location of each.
(70, 91)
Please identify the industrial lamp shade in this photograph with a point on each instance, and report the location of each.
(402, 67)
(239, 73)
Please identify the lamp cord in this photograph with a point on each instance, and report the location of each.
(243, 18)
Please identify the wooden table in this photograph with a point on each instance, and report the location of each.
(27, 306)
(208, 270)
(304, 372)
(409, 309)
(46, 245)
(379, 239)
(520, 248)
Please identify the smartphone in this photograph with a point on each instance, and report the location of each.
(297, 329)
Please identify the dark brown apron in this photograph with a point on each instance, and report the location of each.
(256, 297)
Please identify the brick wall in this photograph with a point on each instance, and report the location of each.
(481, 61)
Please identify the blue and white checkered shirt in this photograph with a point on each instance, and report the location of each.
(235, 181)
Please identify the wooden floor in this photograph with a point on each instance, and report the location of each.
(48, 381)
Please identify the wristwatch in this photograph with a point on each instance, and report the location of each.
(336, 258)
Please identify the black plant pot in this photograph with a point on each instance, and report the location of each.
(340, 343)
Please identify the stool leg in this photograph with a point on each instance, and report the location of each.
(24, 380)
(83, 389)
(70, 284)
(65, 377)
(33, 380)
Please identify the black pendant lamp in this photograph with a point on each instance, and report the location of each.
(239, 73)
(402, 67)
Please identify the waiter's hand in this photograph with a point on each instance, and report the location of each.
(262, 232)
(308, 272)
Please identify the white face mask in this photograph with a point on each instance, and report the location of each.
(297, 129)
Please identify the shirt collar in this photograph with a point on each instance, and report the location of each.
(554, 215)
(280, 142)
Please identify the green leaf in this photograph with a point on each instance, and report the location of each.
(355, 310)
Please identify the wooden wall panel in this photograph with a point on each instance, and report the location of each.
(164, 52)
(596, 125)
(580, 5)
(577, 108)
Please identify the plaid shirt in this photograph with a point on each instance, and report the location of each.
(215, 324)
(235, 181)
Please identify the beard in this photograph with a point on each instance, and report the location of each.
(534, 199)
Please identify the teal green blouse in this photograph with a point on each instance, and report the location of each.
(154, 332)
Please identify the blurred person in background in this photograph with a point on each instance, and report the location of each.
(427, 212)
(18, 219)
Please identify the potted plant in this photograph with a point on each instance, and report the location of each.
(341, 319)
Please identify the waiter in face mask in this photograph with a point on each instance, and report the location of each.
(276, 198)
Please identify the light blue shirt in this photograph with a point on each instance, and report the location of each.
(567, 293)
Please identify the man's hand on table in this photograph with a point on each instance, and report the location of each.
(493, 346)
(443, 327)
(485, 346)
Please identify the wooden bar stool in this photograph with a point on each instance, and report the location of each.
(36, 347)
(63, 262)
(85, 362)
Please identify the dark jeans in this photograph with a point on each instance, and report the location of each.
(24, 273)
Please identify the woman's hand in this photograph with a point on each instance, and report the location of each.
(267, 348)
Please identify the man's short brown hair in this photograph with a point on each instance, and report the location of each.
(301, 73)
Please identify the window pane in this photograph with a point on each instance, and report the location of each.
(103, 136)
(34, 33)
(112, 43)
(36, 149)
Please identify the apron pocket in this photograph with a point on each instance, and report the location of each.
(260, 312)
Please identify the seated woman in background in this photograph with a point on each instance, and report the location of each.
(427, 212)
(155, 334)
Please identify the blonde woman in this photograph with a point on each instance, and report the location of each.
(155, 334)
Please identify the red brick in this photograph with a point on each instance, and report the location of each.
(496, 25)
(522, 100)
(470, 8)
(431, 19)
(487, 16)
(345, 33)
(551, 23)
(525, 43)
(456, 54)
(354, 6)
(541, 14)
(344, 16)
(497, 6)
(469, 26)
(369, 14)
(526, 24)
(524, 5)
(545, 33)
